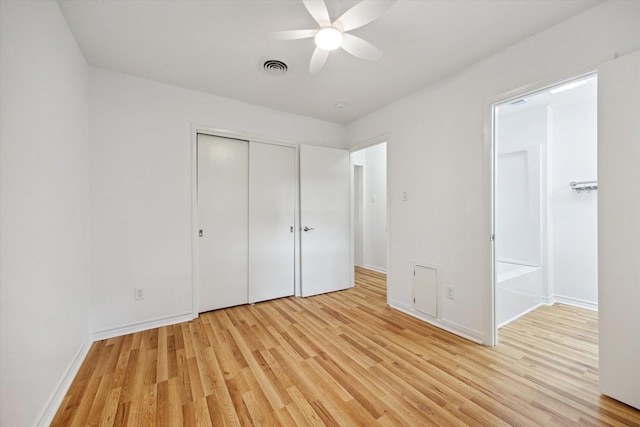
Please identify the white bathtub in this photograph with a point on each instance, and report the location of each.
(518, 291)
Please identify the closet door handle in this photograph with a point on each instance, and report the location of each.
(307, 228)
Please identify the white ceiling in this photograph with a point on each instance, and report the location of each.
(219, 46)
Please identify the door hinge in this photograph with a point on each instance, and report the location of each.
(492, 237)
(200, 233)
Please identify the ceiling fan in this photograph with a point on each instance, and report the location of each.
(331, 36)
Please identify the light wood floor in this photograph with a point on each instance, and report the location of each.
(347, 359)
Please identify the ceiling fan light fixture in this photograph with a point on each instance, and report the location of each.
(329, 38)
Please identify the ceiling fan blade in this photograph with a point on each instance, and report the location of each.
(360, 48)
(363, 13)
(318, 59)
(293, 34)
(318, 11)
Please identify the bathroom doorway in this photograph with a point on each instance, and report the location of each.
(545, 200)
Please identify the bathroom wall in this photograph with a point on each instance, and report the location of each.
(522, 136)
(573, 216)
(521, 142)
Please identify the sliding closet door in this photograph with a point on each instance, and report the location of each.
(223, 214)
(271, 221)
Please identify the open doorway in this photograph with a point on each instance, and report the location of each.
(545, 200)
(369, 169)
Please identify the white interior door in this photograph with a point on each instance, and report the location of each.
(619, 228)
(324, 218)
(223, 210)
(271, 221)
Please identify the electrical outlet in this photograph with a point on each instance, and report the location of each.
(451, 294)
(139, 293)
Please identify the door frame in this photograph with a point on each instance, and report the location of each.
(491, 155)
(358, 217)
(225, 133)
(379, 139)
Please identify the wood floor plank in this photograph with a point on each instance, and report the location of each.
(344, 359)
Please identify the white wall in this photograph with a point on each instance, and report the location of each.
(574, 216)
(357, 169)
(375, 202)
(439, 153)
(141, 159)
(521, 142)
(371, 241)
(44, 216)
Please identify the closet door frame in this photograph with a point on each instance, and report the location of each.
(224, 133)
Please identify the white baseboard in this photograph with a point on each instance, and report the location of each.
(62, 388)
(447, 325)
(506, 322)
(141, 326)
(575, 302)
(548, 300)
(54, 402)
(556, 299)
(464, 332)
(378, 269)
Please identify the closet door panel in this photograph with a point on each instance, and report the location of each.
(223, 211)
(271, 221)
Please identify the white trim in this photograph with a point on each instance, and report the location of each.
(195, 288)
(244, 136)
(141, 326)
(454, 328)
(548, 300)
(55, 401)
(517, 316)
(555, 299)
(53, 404)
(490, 152)
(370, 142)
(378, 269)
(575, 302)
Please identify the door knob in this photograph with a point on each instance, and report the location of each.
(307, 228)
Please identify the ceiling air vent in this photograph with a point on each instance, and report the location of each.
(273, 66)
